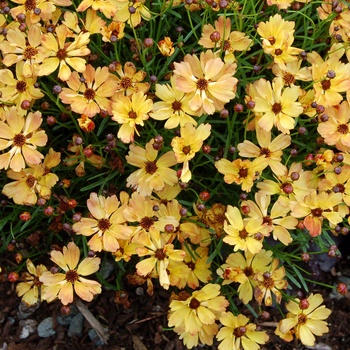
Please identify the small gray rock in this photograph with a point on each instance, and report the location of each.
(76, 326)
(27, 327)
(45, 328)
(25, 311)
(106, 269)
(95, 338)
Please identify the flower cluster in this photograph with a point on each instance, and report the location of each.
(199, 156)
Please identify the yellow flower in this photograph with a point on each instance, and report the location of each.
(237, 332)
(271, 281)
(242, 269)
(306, 318)
(174, 106)
(241, 172)
(278, 106)
(166, 46)
(271, 151)
(63, 54)
(330, 77)
(107, 7)
(315, 208)
(106, 226)
(281, 4)
(90, 93)
(153, 174)
(243, 234)
(222, 38)
(31, 289)
(336, 130)
(22, 135)
(134, 17)
(292, 72)
(188, 144)
(17, 90)
(202, 308)
(277, 221)
(131, 112)
(19, 46)
(32, 181)
(208, 80)
(161, 252)
(62, 285)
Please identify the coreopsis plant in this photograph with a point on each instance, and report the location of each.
(204, 147)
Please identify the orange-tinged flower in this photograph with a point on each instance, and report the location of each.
(15, 91)
(32, 288)
(241, 172)
(131, 112)
(270, 281)
(153, 173)
(62, 54)
(208, 80)
(90, 93)
(62, 285)
(291, 72)
(22, 135)
(237, 332)
(336, 130)
(173, 107)
(166, 46)
(315, 208)
(281, 4)
(306, 322)
(203, 307)
(19, 46)
(278, 106)
(113, 32)
(243, 234)
(107, 224)
(188, 144)
(271, 151)
(129, 80)
(242, 269)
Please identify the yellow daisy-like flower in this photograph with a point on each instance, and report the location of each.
(203, 307)
(131, 112)
(241, 172)
(243, 234)
(307, 318)
(22, 135)
(242, 269)
(132, 17)
(106, 226)
(17, 90)
(153, 173)
(63, 54)
(62, 285)
(237, 332)
(271, 281)
(90, 93)
(161, 253)
(107, 7)
(207, 79)
(31, 289)
(278, 106)
(188, 144)
(174, 107)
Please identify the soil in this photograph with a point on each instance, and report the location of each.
(141, 323)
